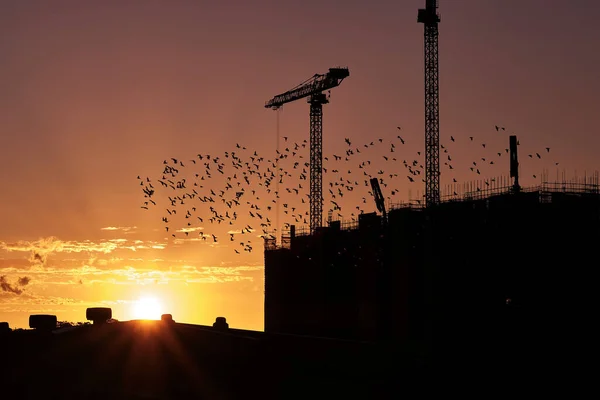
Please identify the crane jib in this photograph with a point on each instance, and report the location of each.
(317, 84)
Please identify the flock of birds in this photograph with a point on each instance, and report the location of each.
(243, 189)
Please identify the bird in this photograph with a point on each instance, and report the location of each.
(247, 188)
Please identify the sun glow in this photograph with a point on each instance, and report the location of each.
(147, 308)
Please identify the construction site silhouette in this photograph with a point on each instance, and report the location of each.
(476, 288)
(444, 294)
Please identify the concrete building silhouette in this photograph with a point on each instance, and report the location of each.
(480, 265)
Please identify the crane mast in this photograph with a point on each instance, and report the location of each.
(316, 160)
(430, 18)
(313, 89)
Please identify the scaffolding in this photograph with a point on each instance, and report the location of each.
(477, 190)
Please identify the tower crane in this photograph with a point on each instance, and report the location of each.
(430, 18)
(313, 89)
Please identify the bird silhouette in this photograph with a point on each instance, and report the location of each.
(246, 191)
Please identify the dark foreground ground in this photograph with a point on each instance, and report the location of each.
(155, 360)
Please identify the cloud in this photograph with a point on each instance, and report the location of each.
(118, 269)
(215, 271)
(41, 248)
(119, 228)
(5, 286)
(190, 229)
(219, 279)
(24, 281)
(24, 302)
(179, 241)
(143, 274)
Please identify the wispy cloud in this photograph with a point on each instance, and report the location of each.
(119, 228)
(189, 240)
(23, 281)
(22, 303)
(53, 244)
(128, 271)
(15, 288)
(228, 270)
(190, 229)
(41, 248)
(219, 279)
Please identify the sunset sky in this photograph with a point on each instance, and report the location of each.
(95, 93)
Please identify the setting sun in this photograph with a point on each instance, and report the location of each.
(147, 308)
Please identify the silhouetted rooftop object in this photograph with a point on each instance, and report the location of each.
(98, 315)
(221, 323)
(514, 162)
(42, 322)
(4, 327)
(168, 318)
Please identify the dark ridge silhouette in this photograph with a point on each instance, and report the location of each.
(158, 360)
(169, 360)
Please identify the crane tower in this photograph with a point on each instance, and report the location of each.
(313, 89)
(430, 18)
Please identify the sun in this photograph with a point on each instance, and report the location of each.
(147, 308)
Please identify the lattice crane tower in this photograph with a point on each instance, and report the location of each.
(430, 18)
(313, 89)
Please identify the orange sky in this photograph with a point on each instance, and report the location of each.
(94, 95)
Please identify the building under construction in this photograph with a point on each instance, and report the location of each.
(486, 264)
(474, 266)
